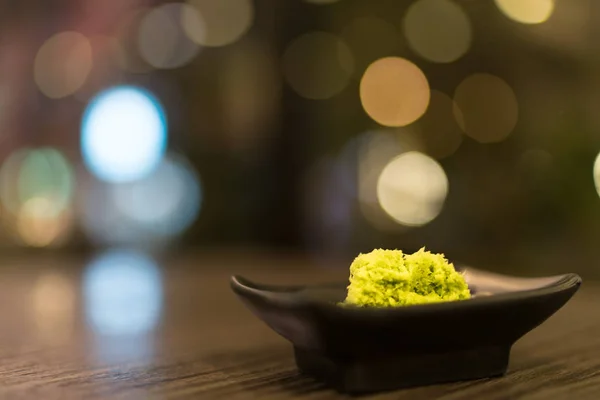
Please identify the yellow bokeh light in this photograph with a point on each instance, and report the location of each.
(440, 132)
(193, 24)
(527, 11)
(318, 65)
(38, 225)
(161, 40)
(486, 108)
(597, 174)
(412, 189)
(438, 30)
(225, 21)
(53, 299)
(63, 64)
(394, 91)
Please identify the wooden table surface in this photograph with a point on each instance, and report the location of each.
(123, 328)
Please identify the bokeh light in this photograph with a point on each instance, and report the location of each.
(597, 173)
(123, 134)
(36, 190)
(53, 299)
(526, 11)
(440, 131)
(412, 189)
(394, 91)
(370, 38)
(438, 30)
(318, 65)
(486, 108)
(147, 212)
(123, 293)
(39, 225)
(101, 221)
(225, 21)
(363, 159)
(62, 64)
(375, 150)
(46, 173)
(165, 202)
(162, 41)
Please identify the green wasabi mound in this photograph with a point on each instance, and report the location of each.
(390, 278)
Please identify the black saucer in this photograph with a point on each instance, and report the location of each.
(373, 349)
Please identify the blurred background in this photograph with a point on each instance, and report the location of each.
(319, 128)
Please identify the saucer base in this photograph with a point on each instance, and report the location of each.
(401, 371)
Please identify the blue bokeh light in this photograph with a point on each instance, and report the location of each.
(145, 213)
(123, 293)
(166, 202)
(123, 134)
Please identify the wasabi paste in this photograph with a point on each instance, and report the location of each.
(390, 278)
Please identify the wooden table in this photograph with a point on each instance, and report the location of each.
(116, 331)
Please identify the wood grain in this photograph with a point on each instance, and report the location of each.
(206, 345)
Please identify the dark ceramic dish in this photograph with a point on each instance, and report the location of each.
(366, 350)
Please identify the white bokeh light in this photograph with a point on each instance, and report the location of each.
(123, 134)
(597, 174)
(412, 189)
